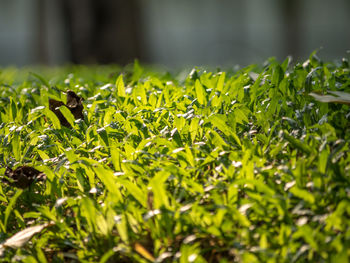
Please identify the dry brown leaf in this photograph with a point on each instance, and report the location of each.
(23, 176)
(21, 238)
(54, 106)
(74, 104)
(340, 97)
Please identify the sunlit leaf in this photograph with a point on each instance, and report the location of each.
(120, 86)
(220, 166)
(221, 81)
(200, 92)
(53, 118)
(303, 194)
(143, 252)
(136, 192)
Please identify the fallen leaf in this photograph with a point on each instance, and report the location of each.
(74, 104)
(21, 238)
(23, 176)
(54, 106)
(340, 97)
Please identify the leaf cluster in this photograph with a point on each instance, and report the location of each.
(240, 166)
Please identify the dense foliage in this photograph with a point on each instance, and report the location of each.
(239, 166)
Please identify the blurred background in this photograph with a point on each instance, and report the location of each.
(172, 33)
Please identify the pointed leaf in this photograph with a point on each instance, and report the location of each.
(53, 118)
(68, 115)
(200, 92)
(22, 237)
(136, 192)
(143, 252)
(120, 86)
(10, 206)
(221, 81)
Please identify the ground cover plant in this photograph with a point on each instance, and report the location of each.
(250, 165)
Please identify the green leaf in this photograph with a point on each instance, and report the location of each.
(193, 129)
(103, 135)
(122, 227)
(106, 256)
(53, 118)
(16, 146)
(40, 78)
(71, 156)
(303, 194)
(342, 257)
(10, 207)
(115, 156)
(43, 155)
(68, 115)
(157, 185)
(102, 224)
(120, 86)
(200, 92)
(336, 219)
(220, 121)
(307, 233)
(240, 116)
(139, 93)
(137, 71)
(108, 179)
(260, 185)
(277, 75)
(297, 143)
(46, 212)
(13, 109)
(89, 212)
(221, 81)
(135, 191)
(323, 161)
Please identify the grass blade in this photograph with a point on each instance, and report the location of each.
(10, 207)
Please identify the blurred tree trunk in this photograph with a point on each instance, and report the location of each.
(41, 48)
(291, 16)
(103, 31)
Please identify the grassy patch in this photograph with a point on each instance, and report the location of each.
(216, 167)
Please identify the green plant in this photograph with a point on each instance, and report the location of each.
(220, 167)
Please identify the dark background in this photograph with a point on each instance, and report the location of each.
(172, 33)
